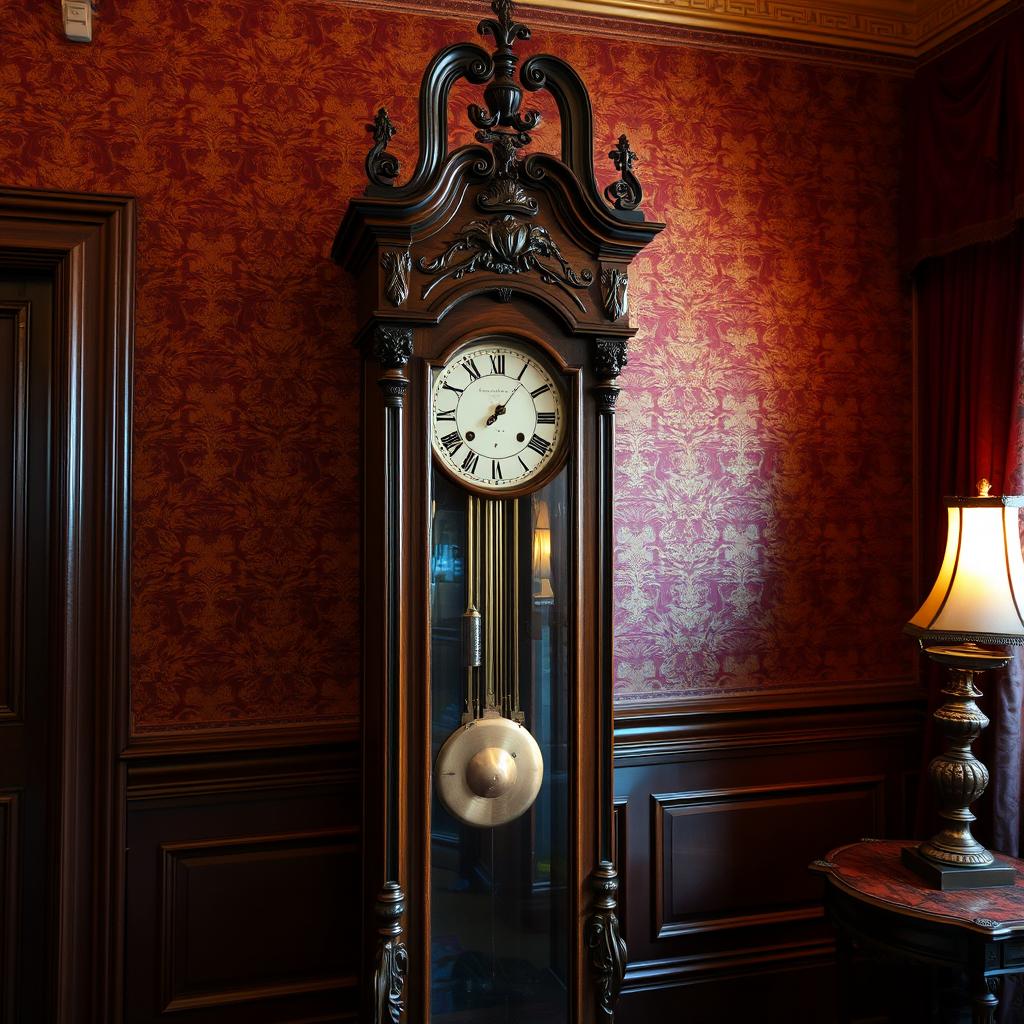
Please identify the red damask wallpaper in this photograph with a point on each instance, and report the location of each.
(764, 514)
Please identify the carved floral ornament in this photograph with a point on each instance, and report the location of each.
(506, 246)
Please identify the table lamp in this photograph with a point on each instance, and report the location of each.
(965, 623)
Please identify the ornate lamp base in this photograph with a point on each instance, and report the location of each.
(953, 858)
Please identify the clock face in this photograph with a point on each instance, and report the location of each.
(497, 416)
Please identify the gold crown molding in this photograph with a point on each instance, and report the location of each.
(660, 32)
(905, 29)
(882, 29)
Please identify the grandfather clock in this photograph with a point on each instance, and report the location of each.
(493, 315)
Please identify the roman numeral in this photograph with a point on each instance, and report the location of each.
(539, 445)
(457, 391)
(495, 470)
(540, 390)
(498, 364)
(526, 366)
(545, 417)
(526, 468)
(470, 461)
(474, 373)
(448, 415)
(452, 441)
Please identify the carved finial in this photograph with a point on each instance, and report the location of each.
(627, 193)
(504, 95)
(505, 11)
(382, 167)
(503, 26)
(984, 487)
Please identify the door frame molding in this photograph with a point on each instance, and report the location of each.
(87, 241)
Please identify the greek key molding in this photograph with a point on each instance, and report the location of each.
(891, 28)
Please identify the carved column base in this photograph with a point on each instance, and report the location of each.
(392, 957)
(607, 949)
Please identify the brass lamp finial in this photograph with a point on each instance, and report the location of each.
(984, 487)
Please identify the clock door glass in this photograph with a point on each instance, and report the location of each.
(497, 419)
(499, 904)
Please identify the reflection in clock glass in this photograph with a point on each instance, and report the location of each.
(499, 903)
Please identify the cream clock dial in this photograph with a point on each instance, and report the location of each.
(497, 417)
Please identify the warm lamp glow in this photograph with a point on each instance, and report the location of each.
(965, 623)
(542, 553)
(979, 593)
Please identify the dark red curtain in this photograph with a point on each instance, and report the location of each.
(1007, 762)
(970, 322)
(968, 311)
(964, 207)
(965, 169)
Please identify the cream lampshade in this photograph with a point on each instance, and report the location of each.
(979, 592)
(972, 611)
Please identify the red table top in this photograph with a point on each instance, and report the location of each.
(871, 871)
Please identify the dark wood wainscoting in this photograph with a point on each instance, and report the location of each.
(243, 883)
(720, 808)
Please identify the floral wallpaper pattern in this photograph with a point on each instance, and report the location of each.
(763, 526)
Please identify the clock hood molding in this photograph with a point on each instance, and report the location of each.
(480, 219)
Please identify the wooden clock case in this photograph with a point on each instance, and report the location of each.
(484, 241)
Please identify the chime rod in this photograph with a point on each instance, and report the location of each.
(515, 608)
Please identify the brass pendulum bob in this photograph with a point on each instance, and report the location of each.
(490, 769)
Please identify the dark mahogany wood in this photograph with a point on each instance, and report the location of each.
(716, 800)
(27, 720)
(84, 244)
(243, 882)
(872, 872)
(491, 239)
(876, 901)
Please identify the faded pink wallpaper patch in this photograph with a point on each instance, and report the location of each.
(764, 516)
(763, 526)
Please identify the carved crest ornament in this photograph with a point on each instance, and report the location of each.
(506, 244)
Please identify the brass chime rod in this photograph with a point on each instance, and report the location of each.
(499, 572)
(470, 605)
(518, 713)
(492, 646)
(489, 617)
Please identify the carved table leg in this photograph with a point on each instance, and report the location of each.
(984, 1002)
(844, 968)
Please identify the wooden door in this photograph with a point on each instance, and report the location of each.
(65, 426)
(26, 697)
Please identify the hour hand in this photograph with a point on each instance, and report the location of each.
(498, 411)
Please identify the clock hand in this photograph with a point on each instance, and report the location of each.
(500, 410)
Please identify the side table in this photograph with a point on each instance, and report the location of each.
(874, 900)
